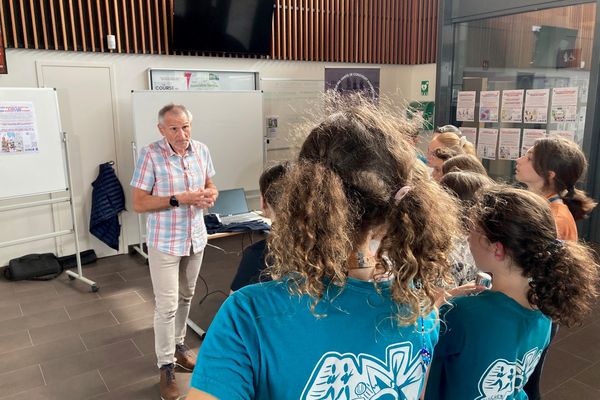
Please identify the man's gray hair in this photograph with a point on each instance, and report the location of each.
(176, 108)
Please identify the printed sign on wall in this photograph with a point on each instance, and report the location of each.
(352, 80)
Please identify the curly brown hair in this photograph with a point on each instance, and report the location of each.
(563, 275)
(567, 161)
(343, 186)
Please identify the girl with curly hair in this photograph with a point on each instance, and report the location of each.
(493, 341)
(359, 250)
(551, 168)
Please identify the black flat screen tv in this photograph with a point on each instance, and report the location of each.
(229, 26)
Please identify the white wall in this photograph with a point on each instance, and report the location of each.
(130, 73)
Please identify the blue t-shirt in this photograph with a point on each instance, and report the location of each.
(267, 344)
(488, 347)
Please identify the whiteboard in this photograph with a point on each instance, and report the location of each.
(24, 173)
(289, 100)
(229, 123)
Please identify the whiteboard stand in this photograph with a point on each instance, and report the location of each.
(72, 275)
(140, 247)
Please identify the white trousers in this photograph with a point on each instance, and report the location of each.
(173, 282)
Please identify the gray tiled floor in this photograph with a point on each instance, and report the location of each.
(60, 341)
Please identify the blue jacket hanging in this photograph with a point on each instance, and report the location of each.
(108, 200)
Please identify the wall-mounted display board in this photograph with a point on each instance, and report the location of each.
(229, 123)
(194, 79)
(32, 159)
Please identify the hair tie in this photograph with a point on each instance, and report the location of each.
(570, 191)
(401, 193)
(463, 141)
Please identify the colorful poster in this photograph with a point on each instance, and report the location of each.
(486, 143)
(565, 134)
(18, 132)
(536, 106)
(489, 104)
(509, 141)
(564, 104)
(512, 106)
(470, 134)
(529, 138)
(465, 107)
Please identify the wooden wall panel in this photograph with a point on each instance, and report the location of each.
(362, 31)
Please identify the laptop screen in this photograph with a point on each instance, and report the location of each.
(230, 202)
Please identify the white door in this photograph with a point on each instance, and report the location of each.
(86, 102)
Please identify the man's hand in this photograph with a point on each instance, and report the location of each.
(199, 198)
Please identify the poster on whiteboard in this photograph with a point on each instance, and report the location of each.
(564, 105)
(536, 106)
(486, 143)
(512, 106)
(563, 134)
(529, 138)
(489, 104)
(465, 106)
(510, 139)
(470, 134)
(18, 132)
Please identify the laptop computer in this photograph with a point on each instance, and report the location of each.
(231, 207)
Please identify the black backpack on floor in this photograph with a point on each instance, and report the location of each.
(38, 267)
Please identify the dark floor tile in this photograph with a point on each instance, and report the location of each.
(125, 287)
(111, 355)
(78, 387)
(14, 341)
(129, 372)
(143, 390)
(573, 390)
(557, 363)
(35, 306)
(102, 337)
(583, 343)
(45, 292)
(17, 359)
(10, 311)
(33, 321)
(26, 287)
(76, 326)
(103, 304)
(135, 273)
(137, 311)
(20, 380)
(110, 267)
(146, 293)
(590, 376)
(145, 341)
(66, 285)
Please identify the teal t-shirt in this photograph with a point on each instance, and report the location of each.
(267, 344)
(488, 348)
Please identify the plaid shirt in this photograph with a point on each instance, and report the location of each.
(163, 172)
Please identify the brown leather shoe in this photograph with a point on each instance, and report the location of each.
(186, 360)
(167, 385)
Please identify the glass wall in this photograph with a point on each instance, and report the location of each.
(518, 77)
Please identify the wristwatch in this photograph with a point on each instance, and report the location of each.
(173, 201)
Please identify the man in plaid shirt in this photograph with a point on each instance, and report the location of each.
(172, 184)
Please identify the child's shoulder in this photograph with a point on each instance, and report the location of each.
(480, 303)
